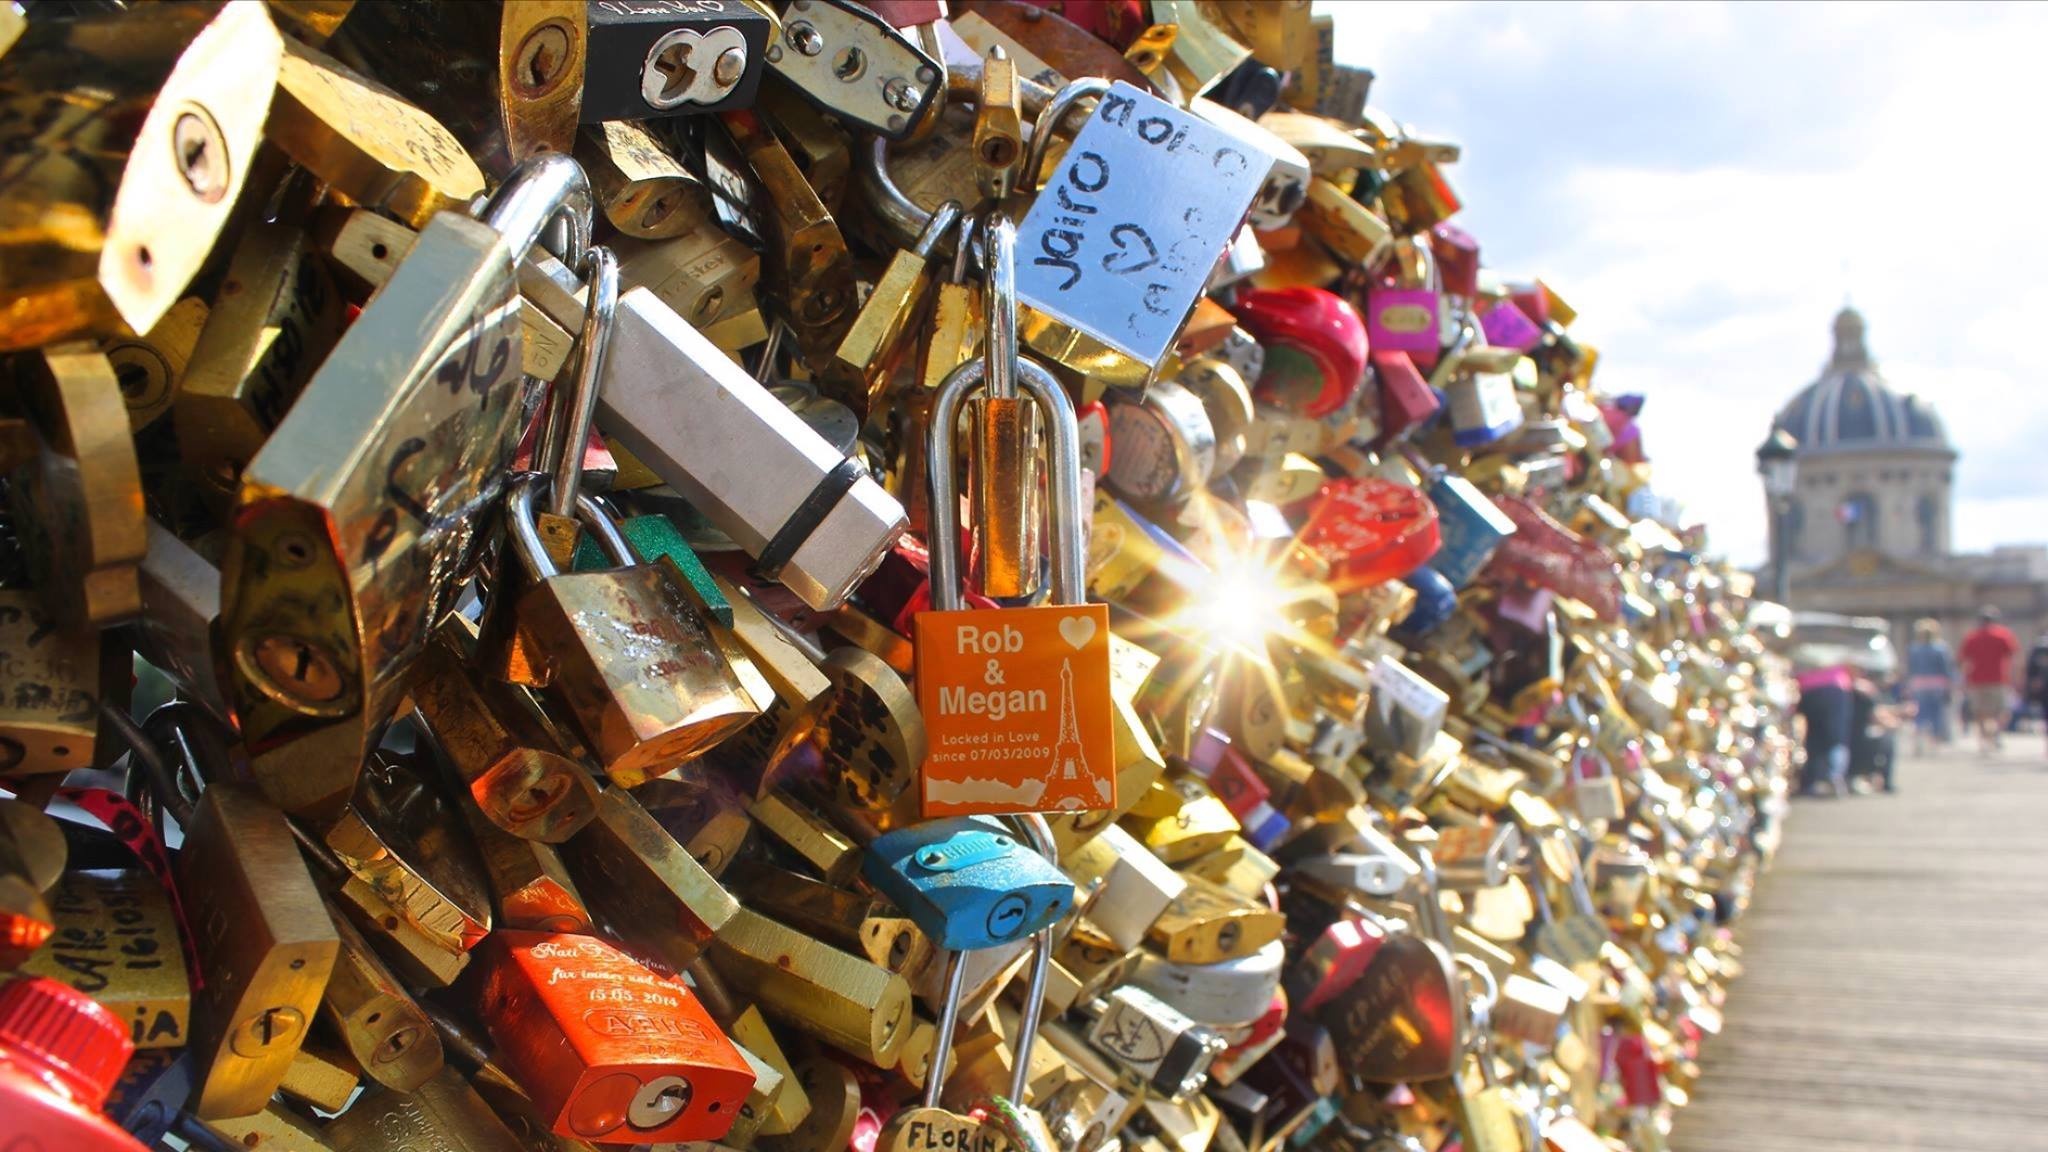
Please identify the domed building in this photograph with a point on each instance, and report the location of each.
(1866, 529)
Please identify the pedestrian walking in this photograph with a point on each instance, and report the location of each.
(1930, 687)
(1986, 656)
(1827, 707)
(2037, 675)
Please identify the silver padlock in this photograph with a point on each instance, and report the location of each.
(810, 516)
(1159, 1043)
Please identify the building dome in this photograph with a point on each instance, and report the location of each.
(1851, 409)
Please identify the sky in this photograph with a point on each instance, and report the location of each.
(1708, 183)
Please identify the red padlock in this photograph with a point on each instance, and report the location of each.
(1315, 348)
(1641, 1074)
(1457, 259)
(1370, 530)
(610, 1050)
(1406, 399)
(1333, 963)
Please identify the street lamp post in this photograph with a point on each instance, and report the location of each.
(1777, 461)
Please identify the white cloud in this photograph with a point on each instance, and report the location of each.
(1705, 182)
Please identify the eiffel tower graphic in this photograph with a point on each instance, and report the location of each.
(1068, 761)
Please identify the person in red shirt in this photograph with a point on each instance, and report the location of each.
(1986, 656)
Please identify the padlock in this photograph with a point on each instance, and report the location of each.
(854, 65)
(643, 883)
(642, 190)
(386, 1032)
(926, 1125)
(1115, 327)
(1131, 886)
(1401, 310)
(150, 368)
(1489, 1117)
(275, 318)
(1048, 760)
(424, 387)
(1230, 994)
(809, 835)
(867, 926)
(322, 1076)
(1152, 1039)
(1209, 924)
(646, 694)
(1167, 444)
(967, 882)
(1339, 956)
(866, 353)
(266, 946)
(116, 939)
(140, 153)
(1592, 789)
(445, 1112)
(1315, 348)
(856, 1006)
(529, 57)
(514, 763)
(810, 272)
(608, 1048)
(1474, 856)
(32, 861)
(410, 876)
(49, 719)
(77, 506)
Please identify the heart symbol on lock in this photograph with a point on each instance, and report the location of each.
(1077, 631)
(1398, 1023)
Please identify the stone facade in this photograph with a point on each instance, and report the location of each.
(1867, 532)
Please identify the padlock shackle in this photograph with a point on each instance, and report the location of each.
(560, 448)
(539, 192)
(1069, 583)
(999, 306)
(1033, 828)
(901, 216)
(949, 1019)
(525, 533)
(1048, 123)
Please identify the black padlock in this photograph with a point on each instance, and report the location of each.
(658, 60)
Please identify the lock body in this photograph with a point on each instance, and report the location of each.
(609, 1049)
(967, 882)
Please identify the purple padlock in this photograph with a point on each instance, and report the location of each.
(1507, 326)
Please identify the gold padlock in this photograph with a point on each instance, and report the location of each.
(50, 715)
(644, 885)
(78, 505)
(855, 1006)
(275, 318)
(266, 947)
(388, 1034)
(139, 209)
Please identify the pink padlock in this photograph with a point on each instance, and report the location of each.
(1404, 313)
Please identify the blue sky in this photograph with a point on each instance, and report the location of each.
(1706, 183)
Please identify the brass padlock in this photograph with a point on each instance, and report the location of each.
(337, 570)
(388, 1034)
(141, 208)
(623, 652)
(643, 883)
(519, 774)
(266, 946)
(528, 56)
(275, 319)
(856, 1006)
(50, 714)
(77, 505)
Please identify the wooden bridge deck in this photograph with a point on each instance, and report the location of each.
(1896, 986)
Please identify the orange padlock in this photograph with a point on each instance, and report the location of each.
(609, 1050)
(1016, 701)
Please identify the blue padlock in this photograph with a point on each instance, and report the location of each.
(1470, 525)
(1435, 601)
(967, 882)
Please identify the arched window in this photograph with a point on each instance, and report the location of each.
(1858, 515)
(1929, 515)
